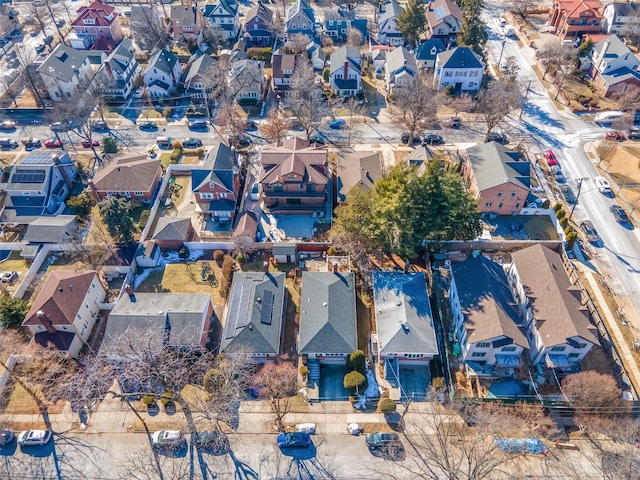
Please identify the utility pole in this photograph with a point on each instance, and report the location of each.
(524, 100)
(504, 41)
(573, 207)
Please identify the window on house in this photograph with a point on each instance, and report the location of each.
(499, 194)
(311, 188)
(479, 354)
(206, 196)
(138, 194)
(488, 204)
(517, 205)
(582, 346)
(277, 188)
(85, 327)
(574, 355)
(514, 193)
(508, 349)
(300, 186)
(558, 349)
(500, 205)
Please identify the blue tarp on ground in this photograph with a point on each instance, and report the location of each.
(532, 446)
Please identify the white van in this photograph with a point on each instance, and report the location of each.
(608, 117)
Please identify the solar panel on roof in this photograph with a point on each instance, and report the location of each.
(238, 309)
(38, 158)
(440, 12)
(267, 307)
(28, 176)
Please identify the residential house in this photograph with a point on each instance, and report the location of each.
(300, 19)
(246, 81)
(246, 228)
(146, 18)
(120, 261)
(178, 320)
(258, 26)
(119, 72)
(557, 323)
(405, 339)
(357, 170)
(97, 22)
(283, 66)
(254, 316)
(37, 186)
(401, 69)
(162, 74)
(60, 229)
(444, 20)
(186, 22)
(316, 56)
(617, 17)
(327, 331)
(388, 33)
(8, 20)
(172, 232)
(216, 184)
(574, 18)
(148, 254)
(338, 22)
(497, 178)
(427, 52)
(378, 58)
(419, 157)
(197, 79)
(486, 325)
(460, 68)
(224, 19)
(294, 177)
(65, 310)
(346, 68)
(135, 177)
(66, 72)
(614, 68)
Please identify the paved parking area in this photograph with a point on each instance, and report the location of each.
(331, 382)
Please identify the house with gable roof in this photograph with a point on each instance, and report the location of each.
(460, 68)
(119, 72)
(294, 177)
(96, 22)
(135, 177)
(497, 178)
(172, 232)
(186, 22)
(574, 18)
(216, 184)
(358, 170)
(401, 69)
(557, 324)
(487, 326)
(620, 16)
(337, 24)
(65, 72)
(614, 68)
(258, 30)
(283, 67)
(246, 81)
(388, 33)
(346, 69)
(254, 316)
(162, 74)
(224, 18)
(300, 19)
(65, 310)
(195, 80)
(427, 52)
(444, 20)
(316, 56)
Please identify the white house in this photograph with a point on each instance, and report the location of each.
(486, 325)
(65, 311)
(460, 68)
(618, 16)
(346, 69)
(556, 322)
(444, 19)
(400, 69)
(224, 18)
(614, 68)
(162, 74)
(246, 81)
(66, 72)
(119, 71)
(388, 33)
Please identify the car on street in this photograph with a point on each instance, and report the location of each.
(550, 157)
(34, 437)
(619, 214)
(7, 126)
(452, 122)
(294, 439)
(602, 185)
(100, 126)
(336, 124)
(567, 193)
(9, 276)
(40, 48)
(89, 144)
(497, 137)
(379, 440)
(6, 437)
(148, 127)
(633, 133)
(432, 139)
(59, 127)
(319, 139)
(8, 144)
(239, 141)
(404, 138)
(615, 135)
(167, 438)
(191, 142)
(558, 175)
(199, 125)
(255, 191)
(590, 232)
(250, 126)
(52, 143)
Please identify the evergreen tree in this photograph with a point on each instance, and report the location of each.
(473, 32)
(412, 21)
(115, 213)
(12, 311)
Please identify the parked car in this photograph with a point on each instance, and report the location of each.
(619, 214)
(199, 125)
(615, 135)
(602, 185)
(8, 277)
(7, 126)
(558, 175)
(239, 141)
(6, 437)
(633, 133)
(336, 124)
(89, 144)
(568, 194)
(432, 139)
(452, 122)
(148, 127)
(497, 137)
(590, 232)
(255, 191)
(34, 437)
(250, 126)
(167, 438)
(59, 127)
(100, 126)
(31, 143)
(550, 157)
(40, 48)
(379, 440)
(8, 144)
(404, 138)
(319, 139)
(294, 439)
(191, 142)
(52, 143)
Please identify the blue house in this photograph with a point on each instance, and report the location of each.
(300, 19)
(427, 52)
(337, 24)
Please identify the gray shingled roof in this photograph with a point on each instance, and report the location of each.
(199, 66)
(493, 164)
(328, 313)
(359, 169)
(162, 60)
(429, 49)
(459, 57)
(403, 314)
(218, 167)
(392, 10)
(64, 61)
(611, 47)
(344, 54)
(172, 228)
(51, 229)
(401, 59)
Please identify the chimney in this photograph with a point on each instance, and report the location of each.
(132, 294)
(335, 267)
(45, 321)
(346, 69)
(265, 267)
(94, 190)
(406, 266)
(63, 172)
(70, 287)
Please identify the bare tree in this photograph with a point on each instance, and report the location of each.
(460, 103)
(522, 7)
(39, 13)
(592, 390)
(277, 383)
(496, 102)
(553, 55)
(26, 58)
(297, 43)
(275, 128)
(606, 150)
(54, 10)
(213, 34)
(231, 119)
(305, 100)
(143, 464)
(629, 99)
(511, 70)
(149, 29)
(631, 31)
(354, 37)
(413, 105)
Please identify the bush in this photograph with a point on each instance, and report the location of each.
(353, 380)
(240, 257)
(213, 380)
(148, 399)
(358, 362)
(175, 155)
(183, 252)
(546, 203)
(332, 251)
(564, 223)
(218, 256)
(304, 371)
(144, 218)
(568, 229)
(387, 405)
(227, 276)
(557, 206)
(257, 53)
(560, 214)
(109, 145)
(449, 91)
(166, 398)
(437, 382)
(200, 152)
(325, 74)
(177, 145)
(571, 239)
(292, 274)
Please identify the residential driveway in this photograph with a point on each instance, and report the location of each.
(415, 380)
(331, 382)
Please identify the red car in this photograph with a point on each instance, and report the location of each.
(92, 143)
(52, 143)
(615, 135)
(550, 157)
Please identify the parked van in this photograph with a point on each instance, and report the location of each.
(608, 117)
(6, 143)
(163, 142)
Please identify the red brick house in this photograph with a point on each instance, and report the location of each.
(216, 184)
(574, 18)
(186, 22)
(294, 177)
(135, 177)
(97, 22)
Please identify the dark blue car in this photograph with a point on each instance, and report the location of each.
(294, 439)
(336, 124)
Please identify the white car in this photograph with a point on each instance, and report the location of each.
(167, 437)
(255, 191)
(602, 185)
(34, 437)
